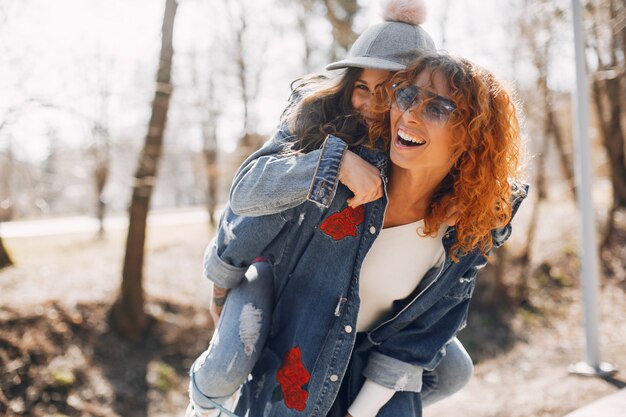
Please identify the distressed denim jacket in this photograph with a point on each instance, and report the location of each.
(316, 245)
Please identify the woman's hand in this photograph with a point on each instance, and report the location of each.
(362, 178)
(217, 302)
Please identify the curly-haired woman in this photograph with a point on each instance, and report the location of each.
(363, 300)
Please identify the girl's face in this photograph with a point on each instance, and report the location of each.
(364, 89)
(420, 133)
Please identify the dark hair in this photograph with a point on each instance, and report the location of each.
(322, 106)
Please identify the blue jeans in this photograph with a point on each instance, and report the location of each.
(451, 374)
(242, 330)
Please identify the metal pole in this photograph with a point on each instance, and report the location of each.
(588, 246)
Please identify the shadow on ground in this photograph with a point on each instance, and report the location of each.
(58, 361)
(66, 361)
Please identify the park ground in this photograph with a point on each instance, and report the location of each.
(59, 356)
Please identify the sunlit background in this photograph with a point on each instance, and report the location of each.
(78, 76)
(77, 84)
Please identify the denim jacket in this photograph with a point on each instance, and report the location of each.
(312, 176)
(316, 245)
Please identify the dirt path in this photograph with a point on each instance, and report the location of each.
(532, 379)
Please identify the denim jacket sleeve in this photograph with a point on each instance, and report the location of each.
(268, 182)
(239, 241)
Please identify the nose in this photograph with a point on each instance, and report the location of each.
(413, 115)
(362, 101)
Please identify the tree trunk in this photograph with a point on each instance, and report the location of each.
(101, 174)
(541, 187)
(621, 9)
(608, 87)
(5, 259)
(241, 72)
(614, 141)
(128, 312)
(211, 112)
(493, 288)
(566, 163)
(210, 160)
(550, 129)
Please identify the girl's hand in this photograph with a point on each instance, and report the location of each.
(217, 303)
(362, 178)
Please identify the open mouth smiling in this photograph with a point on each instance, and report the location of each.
(407, 139)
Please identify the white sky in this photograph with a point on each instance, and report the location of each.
(63, 51)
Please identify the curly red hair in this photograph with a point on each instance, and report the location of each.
(486, 148)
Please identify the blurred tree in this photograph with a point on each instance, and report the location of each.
(6, 201)
(206, 101)
(537, 24)
(101, 157)
(7, 164)
(22, 180)
(52, 184)
(5, 259)
(210, 150)
(310, 14)
(128, 315)
(493, 289)
(341, 14)
(248, 76)
(304, 13)
(99, 150)
(608, 92)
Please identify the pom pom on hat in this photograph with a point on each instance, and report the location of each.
(412, 12)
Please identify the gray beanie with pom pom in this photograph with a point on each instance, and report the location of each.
(392, 44)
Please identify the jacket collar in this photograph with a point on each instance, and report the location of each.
(376, 157)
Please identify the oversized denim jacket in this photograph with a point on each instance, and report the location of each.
(316, 246)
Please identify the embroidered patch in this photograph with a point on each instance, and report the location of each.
(344, 223)
(291, 376)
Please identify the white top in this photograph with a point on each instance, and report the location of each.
(391, 270)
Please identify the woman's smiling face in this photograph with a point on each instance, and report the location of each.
(417, 140)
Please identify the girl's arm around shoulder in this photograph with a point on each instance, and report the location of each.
(270, 181)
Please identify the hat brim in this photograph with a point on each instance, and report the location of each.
(366, 62)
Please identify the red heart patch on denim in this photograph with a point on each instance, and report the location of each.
(291, 376)
(344, 223)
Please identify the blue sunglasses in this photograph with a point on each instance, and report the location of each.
(434, 108)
